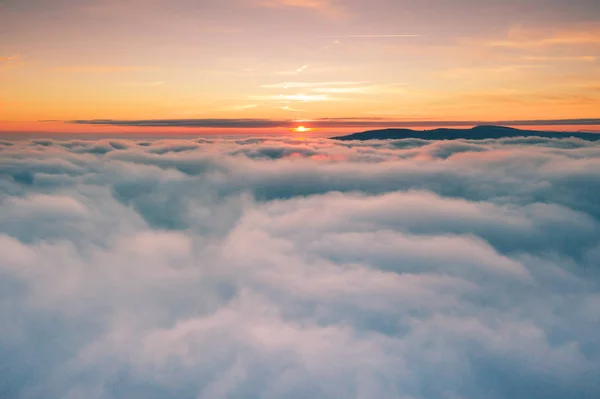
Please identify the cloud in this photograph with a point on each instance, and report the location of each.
(297, 97)
(462, 73)
(586, 58)
(329, 8)
(304, 85)
(242, 107)
(100, 69)
(215, 123)
(324, 122)
(288, 108)
(296, 71)
(145, 84)
(338, 87)
(377, 36)
(9, 62)
(528, 38)
(317, 4)
(274, 267)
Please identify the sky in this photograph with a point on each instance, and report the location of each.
(176, 221)
(330, 64)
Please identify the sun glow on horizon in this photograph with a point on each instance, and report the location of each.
(302, 129)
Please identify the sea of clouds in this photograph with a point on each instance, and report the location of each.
(282, 268)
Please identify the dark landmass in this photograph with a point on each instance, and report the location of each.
(476, 133)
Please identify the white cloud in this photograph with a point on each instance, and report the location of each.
(271, 267)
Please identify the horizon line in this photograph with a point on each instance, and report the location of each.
(263, 123)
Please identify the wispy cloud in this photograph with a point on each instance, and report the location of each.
(339, 87)
(98, 69)
(296, 71)
(9, 58)
(208, 122)
(290, 109)
(582, 58)
(330, 45)
(243, 107)
(303, 85)
(364, 89)
(375, 36)
(10, 61)
(297, 97)
(327, 8)
(525, 38)
(328, 123)
(486, 71)
(340, 90)
(145, 84)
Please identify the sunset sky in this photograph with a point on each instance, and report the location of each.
(232, 65)
(195, 204)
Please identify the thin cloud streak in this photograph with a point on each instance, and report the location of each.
(326, 8)
(98, 69)
(520, 38)
(391, 36)
(9, 62)
(299, 97)
(145, 84)
(584, 58)
(247, 123)
(296, 85)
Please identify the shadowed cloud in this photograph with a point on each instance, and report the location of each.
(324, 123)
(274, 267)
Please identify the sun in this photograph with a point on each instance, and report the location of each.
(302, 129)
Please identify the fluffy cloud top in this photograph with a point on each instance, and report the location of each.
(275, 268)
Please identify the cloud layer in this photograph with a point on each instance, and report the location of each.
(274, 268)
(324, 123)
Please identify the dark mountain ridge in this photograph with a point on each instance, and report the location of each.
(476, 133)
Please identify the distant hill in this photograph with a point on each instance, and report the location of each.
(476, 133)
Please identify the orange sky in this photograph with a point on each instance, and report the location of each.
(282, 60)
